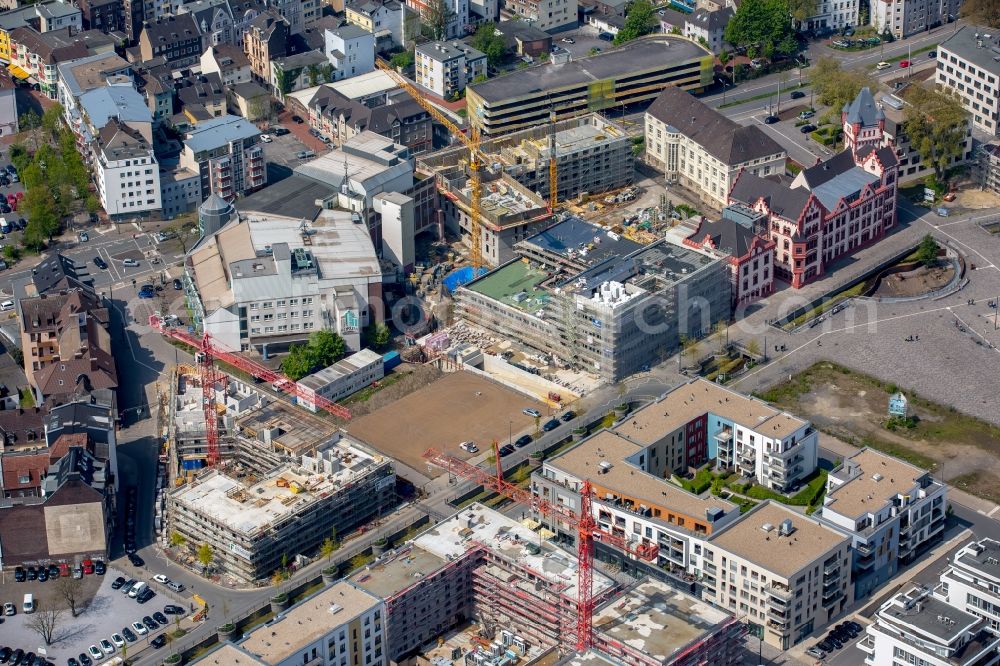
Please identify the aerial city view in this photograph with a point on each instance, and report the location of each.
(275, 274)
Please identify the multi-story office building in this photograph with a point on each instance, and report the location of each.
(253, 525)
(903, 18)
(787, 573)
(547, 15)
(445, 68)
(267, 281)
(227, 153)
(966, 66)
(972, 581)
(126, 172)
(340, 626)
(634, 73)
(829, 210)
(341, 379)
(891, 509)
(702, 149)
(914, 627)
(589, 298)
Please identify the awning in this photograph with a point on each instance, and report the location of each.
(18, 72)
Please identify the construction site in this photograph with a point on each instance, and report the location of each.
(255, 522)
(481, 589)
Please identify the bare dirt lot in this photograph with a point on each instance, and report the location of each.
(851, 406)
(457, 407)
(915, 283)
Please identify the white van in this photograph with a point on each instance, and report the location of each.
(6, 306)
(137, 589)
(29, 603)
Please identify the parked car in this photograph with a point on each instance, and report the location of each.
(932, 54)
(100, 568)
(106, 647)
(568, 416)
(530, 411)
(160, 578)
(266, 138)
(84, 659)
(147, 291)
(506, 450)
(140, 628)
(177, 284)
(175, 586)
(150, 623)
(145, 595)
(126, 587)
(469, 446)
(280, 131)
(550, 425)
(606, 36)
(160, 617)
(305, 154)
(95, 653)
(523, 441)
(118, 641)
(130, 263)
(297, 120)
(129, 635)
(43, 574)
(9, 609)
(808, 127)
(808, 113)
(158, 642)
(171, 609)
(117, 583)
(797, 94)
(20, 575)
(770, 120)
(100, 263)
(5, 653)
(84, 237)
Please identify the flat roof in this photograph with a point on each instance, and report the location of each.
(294, 432)
(881, 479)
(341, 368)
(700, 396)
(228, 654)
(394, 573)
(308, 621)
(363, 85)
(640, 55)
(514, 284)
(657, 619)
(927, 615)
(584, 461)
(582, 241)
(982, 556)
(784, 555)
(454, 536)
(250, 508)
(964, 45)
(295, 196)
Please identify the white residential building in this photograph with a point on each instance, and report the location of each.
(915, 627)
(126, 171)
(351, 51)
(229, 62)
(345, 377)
(709, 25)
(972, 581)
(788, 574)
(903, 18)
(835, 14)
(547, 15)
(445, 68)
(341, 624)
(893, 511)
(267, 281)
(703, 150)
(226, 152)
(967, 66)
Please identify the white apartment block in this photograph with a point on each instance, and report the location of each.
(703, 150)
(892, 510)
(547, 15)
(127, 174)
(915, 627)
(903, 18)
(458, 24)
(351, 51)
(834, 14)
(227, 154)
(445, 68)
(972, 581)
(340, 626)
(788, 574)
(967, 66)
(345, 377)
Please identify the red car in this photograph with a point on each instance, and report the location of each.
(904, 63)
(64, 570)
(20, 195)
(88, 567)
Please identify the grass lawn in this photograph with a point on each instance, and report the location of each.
(27, 398)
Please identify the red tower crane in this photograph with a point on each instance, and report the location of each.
(584, 523)
(207, 351)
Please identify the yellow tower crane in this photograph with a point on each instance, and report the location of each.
(553, 169)
(471, 142)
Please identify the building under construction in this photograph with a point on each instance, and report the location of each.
(589, 298)
(253, 523)
(593, 155)
(520, 593)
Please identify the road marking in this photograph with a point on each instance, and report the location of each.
(992, 511)
(965, 245)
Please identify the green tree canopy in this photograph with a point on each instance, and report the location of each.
(982, 12)
(927, 251)
(325, 347)
(297, 364)
(935, 122)
(639, 20)
(490, 43)
(759, 23)
(836, 86)
(437, 14)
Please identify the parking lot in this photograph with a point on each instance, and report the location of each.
(104, 612)
(282, 150)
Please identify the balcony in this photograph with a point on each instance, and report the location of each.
(777, 623)
(831, 569)
(781, 593)
(867, 644)
(865, 548)
(830, 598)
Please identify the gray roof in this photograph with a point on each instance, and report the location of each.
(349, 31)
(727, 236)
(300, 60)
(780, 198)
(572, 234)
(641, 55)
(926, 617)
(445, 51)
(218, 131)
(964, 45)
(98, 66)
(712, 20)
(119, 141)
(863, 110)
(294, 196)
(114, 101)
(727, 141)
(522, 30)
(171, 29)
(847, 185)
(818, 174)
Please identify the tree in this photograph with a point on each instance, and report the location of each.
(183, 228)
(177, 539)
(927, 251)
(719, 331)
(639, 20)
(935, 122)
(45, 622)
(437, 16)
(378, 335)
(759, 22)
(205, 555)
(836, 86)
(325, 347)
(982, 12)
(71, 591)
(327, 548)
(490, 43)
(752, 347)
(297, 364)
(724, 58)
(801, 10)
(402, 60)
(52, 120)
(690, 348)
(11, 253)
